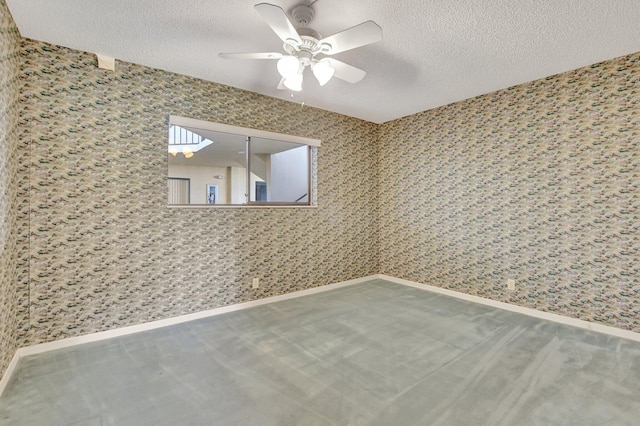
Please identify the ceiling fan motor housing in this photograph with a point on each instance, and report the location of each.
(309, 45)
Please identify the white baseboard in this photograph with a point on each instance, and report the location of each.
(600, 328)
(102, 335)
(94, 337)
(9, 372)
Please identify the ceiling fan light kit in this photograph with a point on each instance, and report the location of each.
(323, 71)
(294, 82)
(288, 66)
(303, 44)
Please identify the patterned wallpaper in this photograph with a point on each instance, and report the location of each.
(107, 252)
(539, 183)
(10, 272)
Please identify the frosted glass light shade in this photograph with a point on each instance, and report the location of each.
(288, 66)
(323, 71)
(294, 82)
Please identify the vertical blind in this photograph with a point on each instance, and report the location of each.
(178, 191)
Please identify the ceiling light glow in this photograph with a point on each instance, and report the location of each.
(294, 83)
(288, 66)
(323, 71)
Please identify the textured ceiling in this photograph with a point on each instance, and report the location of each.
(433, 53)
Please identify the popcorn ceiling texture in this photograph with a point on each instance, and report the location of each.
(11, 264)
(539, 183)
(107, 252)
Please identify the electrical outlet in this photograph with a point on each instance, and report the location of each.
(511, 284)
(255, 283)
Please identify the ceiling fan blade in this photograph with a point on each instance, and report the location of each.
(360, 35)
(279, 23)
(265, 55)
(346, 72)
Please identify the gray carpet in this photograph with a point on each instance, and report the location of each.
(370, 354)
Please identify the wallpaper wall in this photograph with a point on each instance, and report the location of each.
(10, 217)
(107, 252)
(538, 183)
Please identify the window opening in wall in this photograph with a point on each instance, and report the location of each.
(283, 169)
(228, 165)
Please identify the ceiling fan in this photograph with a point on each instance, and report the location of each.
(304, 47)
